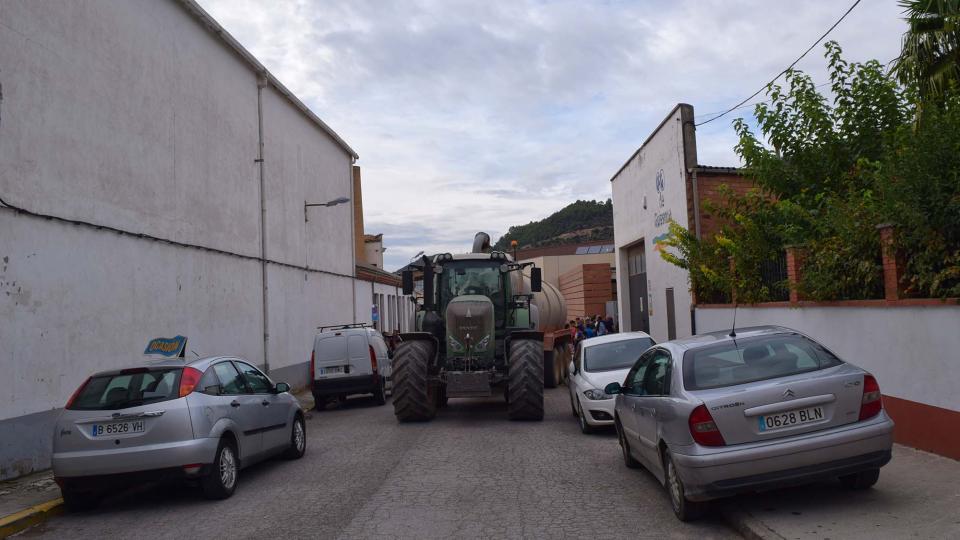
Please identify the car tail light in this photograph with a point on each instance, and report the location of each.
(872, 402)
(188, 380)
(703, 429)
(76, 393)
(373, 359)
(313, 364)
(193, 468)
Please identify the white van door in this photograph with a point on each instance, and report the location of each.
(330, 355)
(359, 355)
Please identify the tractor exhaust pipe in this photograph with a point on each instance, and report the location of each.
(481, 243)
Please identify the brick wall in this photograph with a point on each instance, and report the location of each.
(708, 188)
(586, 290)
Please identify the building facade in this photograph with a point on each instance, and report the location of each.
(660, 183)
(154, 178)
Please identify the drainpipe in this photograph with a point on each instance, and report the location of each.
(353, 242)
(261, 84)
(696, 203)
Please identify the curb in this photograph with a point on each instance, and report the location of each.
(14, 523)
(748, 525)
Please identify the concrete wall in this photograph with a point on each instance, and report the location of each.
(663, 153)
(912, 351)
(133, 115)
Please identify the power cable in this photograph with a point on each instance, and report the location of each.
(704, 115)
(142, 236)
(788, 68)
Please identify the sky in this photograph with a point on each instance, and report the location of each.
(481, 115)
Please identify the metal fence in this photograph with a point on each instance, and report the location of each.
(773, 276)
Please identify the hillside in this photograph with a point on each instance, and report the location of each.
(581, 221)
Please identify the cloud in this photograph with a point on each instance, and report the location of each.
(481, 115)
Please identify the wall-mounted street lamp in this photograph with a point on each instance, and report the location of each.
(334, 202)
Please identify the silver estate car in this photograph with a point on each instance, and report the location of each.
(719, 414)
(203, 419)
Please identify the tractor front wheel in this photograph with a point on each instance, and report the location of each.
(412, 399)
(525, 380)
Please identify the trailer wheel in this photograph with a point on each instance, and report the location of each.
(412, 399)
(525, 380)
(550, 379)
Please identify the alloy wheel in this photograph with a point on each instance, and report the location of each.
(673, 484)
(298, 436)
(228, 468)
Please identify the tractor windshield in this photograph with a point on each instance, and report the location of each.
(473, 277)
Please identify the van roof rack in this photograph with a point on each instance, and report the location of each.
(343, 326)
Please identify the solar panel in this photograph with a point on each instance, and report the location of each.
(594, 249)
(581, 251)
(607, 248)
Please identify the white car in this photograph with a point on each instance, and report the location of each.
(598, 362)
(347, 360)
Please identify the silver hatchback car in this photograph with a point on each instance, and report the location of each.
(722, 413)
(201, 419)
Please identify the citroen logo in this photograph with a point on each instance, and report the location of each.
(788, 393)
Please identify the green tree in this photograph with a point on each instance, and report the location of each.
(930, 57)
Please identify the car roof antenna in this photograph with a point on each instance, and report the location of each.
(733, 329)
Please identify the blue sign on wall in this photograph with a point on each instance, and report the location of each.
(169, 347)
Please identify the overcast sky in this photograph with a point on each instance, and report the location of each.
(485, 114)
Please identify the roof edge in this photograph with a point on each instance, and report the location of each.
(220, 32)
(647, 140)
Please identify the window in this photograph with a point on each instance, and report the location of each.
(616, 355)
(257, 382)
(656, 378)
(230, 382)
(753, 359)
(634, 382)
(129, 388)
(209, 384)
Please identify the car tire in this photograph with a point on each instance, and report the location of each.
(628, 459)
(319, 402)
(79, 501)
(685, 509)
(861, 480)
(223, 477)
(298, 439)
(525, 380)
(550, 379)
(380, 392)
(585, 428)
(413, 398)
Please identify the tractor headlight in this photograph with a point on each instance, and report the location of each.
(482, 344)
(455, 345)
(596, 394)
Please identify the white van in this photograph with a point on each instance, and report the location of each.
(349, 359)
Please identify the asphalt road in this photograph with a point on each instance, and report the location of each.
(470, 473)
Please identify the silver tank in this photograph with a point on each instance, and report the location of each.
(550, 309)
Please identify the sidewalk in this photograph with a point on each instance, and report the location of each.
(918, 496)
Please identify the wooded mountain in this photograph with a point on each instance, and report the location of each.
(581, 221)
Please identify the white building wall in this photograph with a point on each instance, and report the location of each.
(911, 350)
(632, 223)
(134, 115)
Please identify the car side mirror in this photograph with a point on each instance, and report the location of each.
(536, 280)
(407, 277)
(612, 389)
(281, 387)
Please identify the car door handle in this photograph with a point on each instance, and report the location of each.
(234, 403)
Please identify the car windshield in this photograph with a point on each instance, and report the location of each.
(616, 355)
(753, 359)
(129, 388)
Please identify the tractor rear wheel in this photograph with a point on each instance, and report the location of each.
(525, 380)
(412, 398)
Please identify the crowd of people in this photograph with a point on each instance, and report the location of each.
(589, 327)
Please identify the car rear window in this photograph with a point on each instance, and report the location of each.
(616, 355)
(753, 359)
(129, 388)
